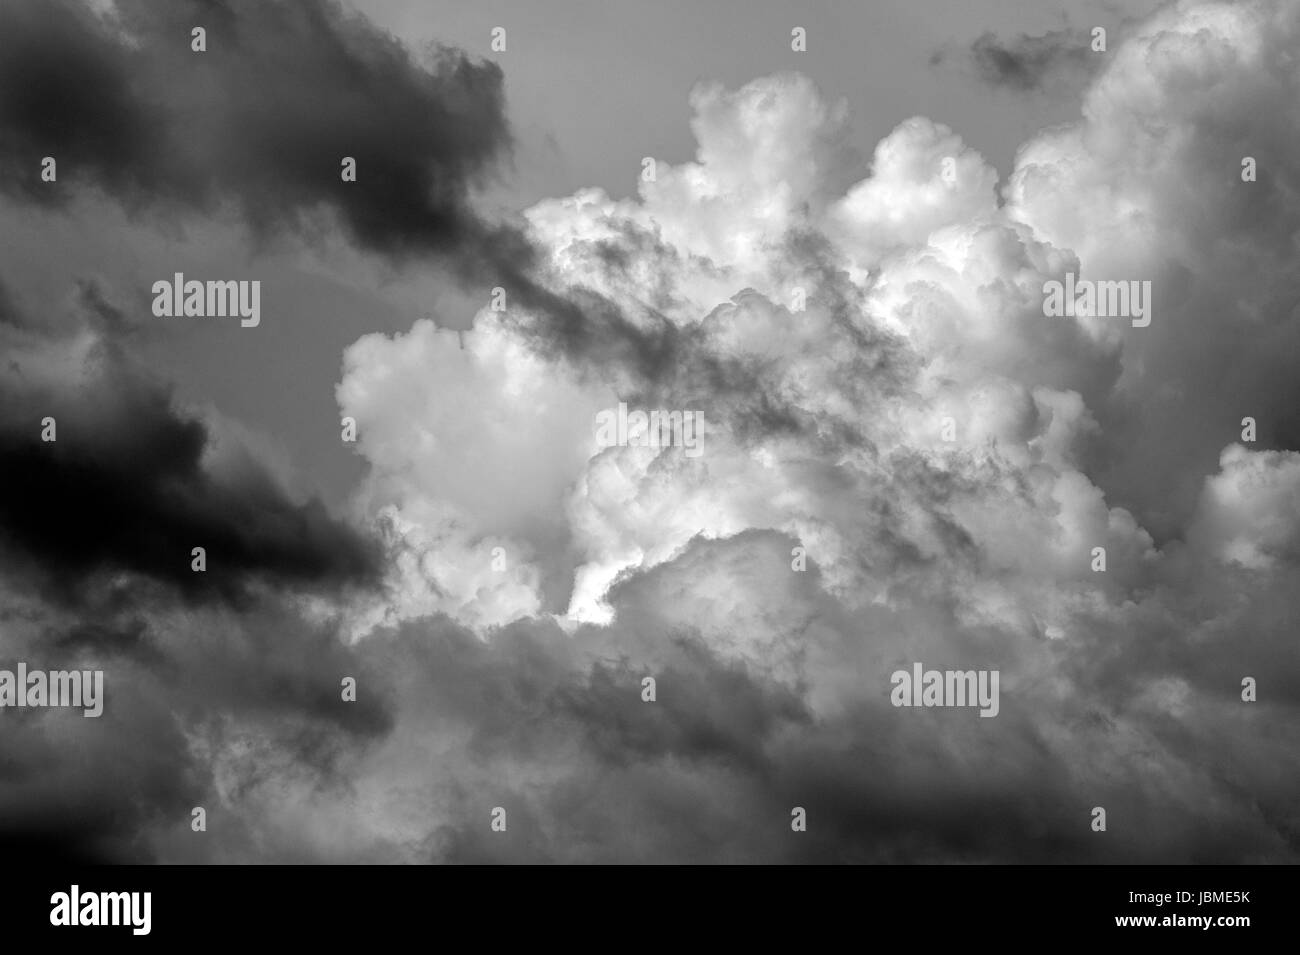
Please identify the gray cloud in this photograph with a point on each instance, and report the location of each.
(1026, 63)
(124, 104)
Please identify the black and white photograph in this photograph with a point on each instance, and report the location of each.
(720, 433)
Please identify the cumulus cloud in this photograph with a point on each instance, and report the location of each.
(1149, 184)
(1249, 512)
(884, 391)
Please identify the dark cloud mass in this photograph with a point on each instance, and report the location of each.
(124, 487)
(259, 125)
(261, 120)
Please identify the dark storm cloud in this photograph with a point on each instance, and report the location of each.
(710, 711)
(536, 701)
(130, 639)
(124, 487)
(261, 120)
(553, 728)
(125, 105)
(558, 734)
(1026, 63)
(134, 771)
(168, 675)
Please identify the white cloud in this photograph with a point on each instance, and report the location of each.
(923, 310)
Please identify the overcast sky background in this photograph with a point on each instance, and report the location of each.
(519, 686)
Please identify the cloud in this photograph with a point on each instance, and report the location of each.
(123, 104)
(131, 484)
(1149, 184)
(97, 528)
(905, 461)
(1249, 512)
(921, 310)
(1027, 63)
(182, 686)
